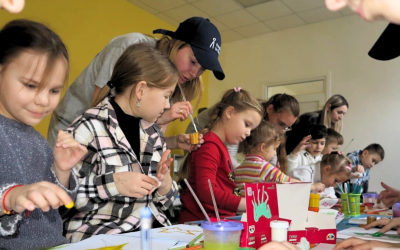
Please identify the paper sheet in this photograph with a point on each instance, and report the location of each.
(324, 246)
(184, 233)
(118, 242)
(361, 233)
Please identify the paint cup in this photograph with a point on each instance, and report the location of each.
(396, 210)
(313, 204)
(369, 199)
(222, 235)
(370, 219)
(279, 230)
(194, 138)
(354, 200)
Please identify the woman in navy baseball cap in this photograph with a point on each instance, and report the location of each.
(194, 47)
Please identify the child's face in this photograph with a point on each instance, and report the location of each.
(268, 152)
(153, 102)
(238, 125)
(333, 146)
(20, 98)
(329, 180)
(316, 147)
(369, 160)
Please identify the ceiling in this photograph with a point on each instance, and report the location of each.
(236, 22)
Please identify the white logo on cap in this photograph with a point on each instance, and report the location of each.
(213, 43)
(215, 46)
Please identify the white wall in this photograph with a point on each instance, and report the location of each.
(340, 46)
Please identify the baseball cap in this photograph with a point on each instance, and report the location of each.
(387, 46)
(204, 39)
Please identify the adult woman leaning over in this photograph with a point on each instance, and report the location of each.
(331, 116)
(193, 48)
(281, 110)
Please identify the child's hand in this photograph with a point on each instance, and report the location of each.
(360, 169)
(279, 246)
(163, 172)
(302, 145)
(134, 184)
(317, 187)
(41, 195)
(67, 152)
(356, 243)
(183, 142)
(386, 223)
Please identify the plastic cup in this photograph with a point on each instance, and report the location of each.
(222, 235)
(279, 230)
(396, 210)
(354, 200)
(369, 199)
(194, 138)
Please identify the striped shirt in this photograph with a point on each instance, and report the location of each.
(100, 208)
(255, 169)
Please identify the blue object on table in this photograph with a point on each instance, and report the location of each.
(344, 224)
(145, 215)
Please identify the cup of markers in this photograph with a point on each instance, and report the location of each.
(350, 200)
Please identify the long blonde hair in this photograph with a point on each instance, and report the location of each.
(193, 89)
(241, 101)
(335, 101)
(140, 62)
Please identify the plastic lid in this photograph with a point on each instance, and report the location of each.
(315, 196)
(246, 248)
(145, 213)
(369, 195)
(279, 224)
(223, 226)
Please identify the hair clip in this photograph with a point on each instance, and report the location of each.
(237, 89)
(348, 167)
(110, 84)
(335, 152)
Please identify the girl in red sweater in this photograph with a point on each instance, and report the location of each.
(230, 122)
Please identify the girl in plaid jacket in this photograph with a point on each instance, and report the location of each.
(126, 167)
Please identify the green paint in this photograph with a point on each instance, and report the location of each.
(379, 234)
(261, 208)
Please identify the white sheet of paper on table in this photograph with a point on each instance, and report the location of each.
(351, 232)
(183, 233)
(103, 241)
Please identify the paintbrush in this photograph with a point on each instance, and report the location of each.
(190, 114)
(348, 144)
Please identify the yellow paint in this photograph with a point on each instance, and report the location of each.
(119, 247)
(70, 205)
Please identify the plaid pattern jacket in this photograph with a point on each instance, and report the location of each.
(355, 161)
(100, 209)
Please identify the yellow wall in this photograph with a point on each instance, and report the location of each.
(86, 26)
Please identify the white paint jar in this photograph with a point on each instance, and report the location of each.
(279, 230)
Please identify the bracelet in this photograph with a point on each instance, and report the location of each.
(6, 211)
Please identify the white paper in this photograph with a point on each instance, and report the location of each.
(293, 200)
(244, 217)
(125, 243)
(352, 232)
(184, 233)
(320, 221)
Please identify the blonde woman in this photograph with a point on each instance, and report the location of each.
(331, 116)
(193, 48)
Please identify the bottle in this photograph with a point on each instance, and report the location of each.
(313, 205)
(279, 230)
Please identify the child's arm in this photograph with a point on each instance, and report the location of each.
(207, 162)
(294, 159)
(270, 173)
(42, 195)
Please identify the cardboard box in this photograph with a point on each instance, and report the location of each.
(283, 201)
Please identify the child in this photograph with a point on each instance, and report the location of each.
(308, 151)
(33, 184)
(127, 157)
(260, 147)
(333, 168)
(231, 121)
(363, 161)
(333, 141)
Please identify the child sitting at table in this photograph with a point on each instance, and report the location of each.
(260, 147)
(333, 141)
